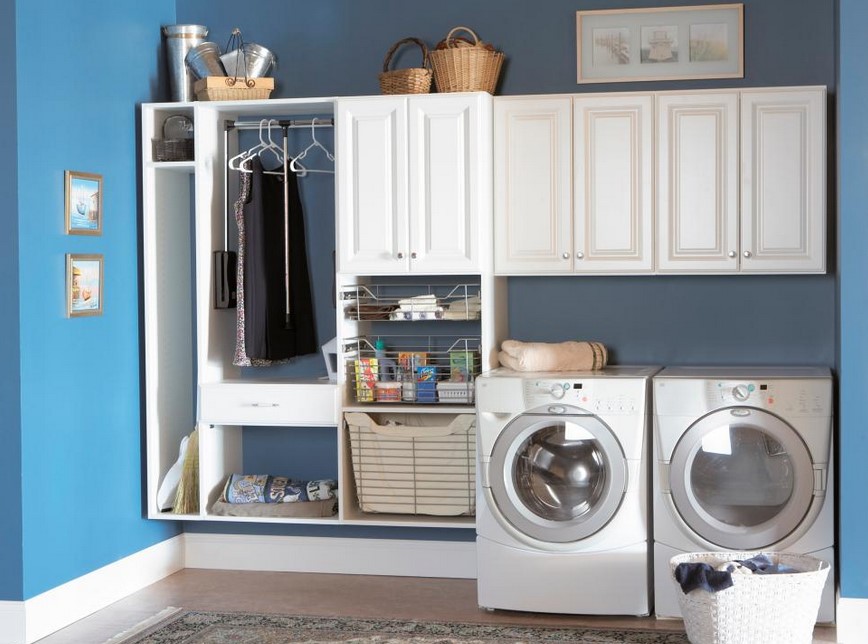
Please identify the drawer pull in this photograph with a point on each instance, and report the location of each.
(265, 404)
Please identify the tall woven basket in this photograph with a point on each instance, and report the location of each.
(778, 608)
(461, 65)
(413, 80)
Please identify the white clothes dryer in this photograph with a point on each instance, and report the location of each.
(742, 461)
(562, 512)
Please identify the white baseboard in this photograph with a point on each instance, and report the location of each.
(398, 557)
(851, 620)
(31, 620)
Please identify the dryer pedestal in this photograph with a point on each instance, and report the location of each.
(614, 582)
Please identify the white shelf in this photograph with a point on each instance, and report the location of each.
(184, 167)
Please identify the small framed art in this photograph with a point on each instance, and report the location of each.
(663, 43)
(83, 197)
(84, 278)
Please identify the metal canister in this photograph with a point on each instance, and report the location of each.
(204, 60)
(249, 60)
(180, 39)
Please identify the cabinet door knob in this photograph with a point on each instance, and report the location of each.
(747, 253)
(413, 255)
(566, 255)
(580, 255)
(732, 253)
(400, 255)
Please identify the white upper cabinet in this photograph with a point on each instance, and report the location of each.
(411, 183)
(697, 182)
(613, 183)
(783, 181)
(573, 184)
(532, 185)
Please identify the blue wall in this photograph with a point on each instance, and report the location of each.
(82, 68)
(853, 156)
(11, 573)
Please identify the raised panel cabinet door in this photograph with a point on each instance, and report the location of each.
(372, 185)
(783, 183)
(697, 182)
(443, 187)
(532, 185)
(613, 161)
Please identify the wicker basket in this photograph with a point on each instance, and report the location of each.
(776, 608)
(413, 80)
(462, 66)
(230, 88)
(172, 149)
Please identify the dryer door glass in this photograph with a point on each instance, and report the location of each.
(557, 478)
(742, 478)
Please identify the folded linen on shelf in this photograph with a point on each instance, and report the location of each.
(560, 356)
(420, 303)
(464, 309)
(264, 488)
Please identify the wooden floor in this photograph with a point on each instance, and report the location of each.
(403, 598)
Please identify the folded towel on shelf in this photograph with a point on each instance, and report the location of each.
(464, 309)
(560, 356)
(263, 488)
(420, 303)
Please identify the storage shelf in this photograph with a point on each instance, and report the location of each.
(183, 167)
(433, 369)
(411, 302)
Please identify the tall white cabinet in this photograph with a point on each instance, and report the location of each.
(413, 198)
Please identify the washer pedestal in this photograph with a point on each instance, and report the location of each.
(574, 583)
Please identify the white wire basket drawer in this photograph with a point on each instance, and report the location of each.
(419, 468)
(411, 302)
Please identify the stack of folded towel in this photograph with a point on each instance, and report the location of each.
(464, 309)
(544, 356)
(420, 307)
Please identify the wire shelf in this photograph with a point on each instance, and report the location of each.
(412, 369)
(411, 302)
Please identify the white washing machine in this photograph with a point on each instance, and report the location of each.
(562, 511)
(742, 461)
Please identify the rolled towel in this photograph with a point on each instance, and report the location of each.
(545, 356)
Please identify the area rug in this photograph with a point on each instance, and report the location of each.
(178, 626)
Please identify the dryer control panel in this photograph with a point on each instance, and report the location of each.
(791, 396)
(597, 396)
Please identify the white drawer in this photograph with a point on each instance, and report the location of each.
(253, 403)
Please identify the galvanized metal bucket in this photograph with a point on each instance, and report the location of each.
(180, 39)
(204, 60)
(249, 60)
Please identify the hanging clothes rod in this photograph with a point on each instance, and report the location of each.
(284, 123)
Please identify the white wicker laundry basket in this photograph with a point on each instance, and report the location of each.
(408, 464)
(775, 608)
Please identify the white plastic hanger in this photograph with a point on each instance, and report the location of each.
(241, 161)
(295, 166)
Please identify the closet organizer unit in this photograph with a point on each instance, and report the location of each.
(246, 418)
(249, 419)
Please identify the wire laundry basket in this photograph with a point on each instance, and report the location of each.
(774, 608)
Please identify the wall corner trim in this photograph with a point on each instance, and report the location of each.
(851, 620)
(398, 557)
(31, 620)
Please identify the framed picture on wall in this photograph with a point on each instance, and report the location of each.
(84, 279)
(663, 43)
(83, 203)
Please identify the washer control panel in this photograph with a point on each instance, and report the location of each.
(593, 396)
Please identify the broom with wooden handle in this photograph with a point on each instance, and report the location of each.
(187, 497)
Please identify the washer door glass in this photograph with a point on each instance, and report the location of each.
(557, 478)
(742, 478)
